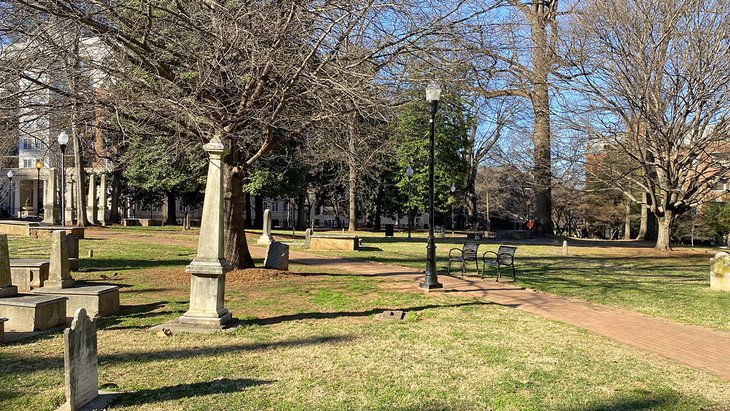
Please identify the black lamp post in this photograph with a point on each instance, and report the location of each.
(453, 190)
(11, 205)
(409, 173)
(38, 166)
(433, 93)
(62, 141)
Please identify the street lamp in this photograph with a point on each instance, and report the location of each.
(433, 93)
(11, 205)
(453, 190)
(38, 166)
(409, 173)
(62, 141)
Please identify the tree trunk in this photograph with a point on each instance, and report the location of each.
(664, 234)
(542, 163)
(627, 222)
(248, 219)
(644, 225)
(234, 234)
(353, 203)
(258, 220)
(171, 209)
(301, 212)
(116, 188)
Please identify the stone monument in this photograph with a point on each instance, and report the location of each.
(308, 237)
(266, 237)
(98, 300)
(81, 365)
(208, 269)
(26, 313)
(277, 256)
(565, 247)
(720, 272)
(6, 288)
(59, 272)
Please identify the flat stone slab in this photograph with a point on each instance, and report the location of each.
(45, 231)
(30, 312)
(28, 262)
(334, 242)
(29, 273)
(98, 300)
(16, 227)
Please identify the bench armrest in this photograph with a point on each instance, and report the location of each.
(461, 252)
(484, 256)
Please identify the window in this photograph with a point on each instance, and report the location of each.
(28, 163)
(276, 206)
(285, 206)
(27, 143)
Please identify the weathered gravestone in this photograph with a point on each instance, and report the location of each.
(59, 272)
(565, 247)
(266, 237)
(277, 256)
(6, 287)
(81, 369)
(442, 234)
(73, 252)
(308, 237)
(720, 272)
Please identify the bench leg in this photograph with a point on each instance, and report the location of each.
(448, 268)
(463, 271)
(513, 273)
(499, 273)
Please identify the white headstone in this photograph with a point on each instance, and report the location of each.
(266, 237)
(59, 272)
(80, 361)
(442, 234)
(565, 247)
(720, 272)
(6, 287)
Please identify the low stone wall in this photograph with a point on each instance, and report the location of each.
(16, 227)
(46, 231)
(334, 242)
(144, 222)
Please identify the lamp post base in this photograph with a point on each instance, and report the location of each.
(430, 286)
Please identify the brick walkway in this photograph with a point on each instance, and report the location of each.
(691, 345)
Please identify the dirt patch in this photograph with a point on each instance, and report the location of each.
(253, 275)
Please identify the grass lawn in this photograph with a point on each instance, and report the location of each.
(310, 341)
(673, 285)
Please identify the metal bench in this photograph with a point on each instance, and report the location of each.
(504, 257)
(461, 255)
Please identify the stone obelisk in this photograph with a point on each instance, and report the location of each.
(208, 269)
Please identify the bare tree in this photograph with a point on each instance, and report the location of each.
(657, 88)
(253, 74)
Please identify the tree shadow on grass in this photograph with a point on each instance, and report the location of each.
(198, 389)
(348, 314)
(28, 363)
(644, 400)
(120, 264)
(127, 312)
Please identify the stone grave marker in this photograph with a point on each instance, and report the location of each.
(73, 252)
(720, 272)
(7, 289)
(266, 237)
(277, 256)
(308, 236)
(59, 272)
(565, 247)
(80, 361)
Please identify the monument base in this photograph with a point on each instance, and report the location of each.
(219, 321)
(101, 402)
(98, 300)
(265, 240)
(206, 297)
(60, 284)
(29, 312)
(29, 273)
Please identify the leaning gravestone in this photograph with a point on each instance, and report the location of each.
(266, 237)
(81, 365)
(277, 256)
(720, 272)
